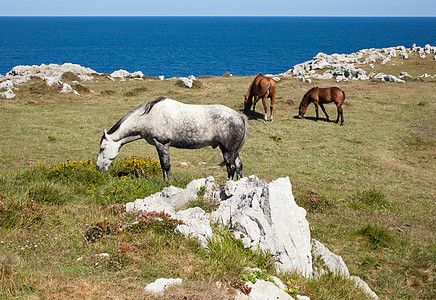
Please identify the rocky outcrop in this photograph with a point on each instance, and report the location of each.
(6, 89)
(267, 216)
(124, 74)
(343, 66)
(263, 215)
(188, 81)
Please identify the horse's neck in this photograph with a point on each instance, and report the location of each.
(126, 133)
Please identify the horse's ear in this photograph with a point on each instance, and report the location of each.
(106, 135)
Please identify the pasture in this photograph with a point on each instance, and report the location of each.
(368, 186)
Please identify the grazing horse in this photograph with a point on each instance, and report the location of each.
(261, 87)
(166, 122)
(321, 96)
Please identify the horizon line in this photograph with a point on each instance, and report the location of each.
(239, 16)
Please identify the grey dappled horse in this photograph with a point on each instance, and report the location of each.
(167, 123)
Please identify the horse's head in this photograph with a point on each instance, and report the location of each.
(305, 102)
(302, 109)
(109, 150)
(247, 103)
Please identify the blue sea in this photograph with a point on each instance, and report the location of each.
(181, 46)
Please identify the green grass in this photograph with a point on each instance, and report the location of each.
(373, 177)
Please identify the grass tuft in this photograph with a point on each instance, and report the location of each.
(377, 236)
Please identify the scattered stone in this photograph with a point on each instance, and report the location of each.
(9, 94)
(160, 285)
(186, 82)
(404, 74)
(263, 290)
(102, 255)
(332, 262)
(66, 88)
(124, 74)
(364, 286)
(161, 77)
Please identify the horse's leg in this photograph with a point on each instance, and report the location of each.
(265, 107)
(340, 114)
(229, 159)
(163, 150)
(238, 164)
(272, 107)
(254, 103)
(316, 109)
(323, 110)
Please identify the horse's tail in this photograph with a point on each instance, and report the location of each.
(242, 141)
(343, 97)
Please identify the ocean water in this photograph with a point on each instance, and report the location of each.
(181, 46)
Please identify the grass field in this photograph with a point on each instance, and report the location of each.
(376, 174)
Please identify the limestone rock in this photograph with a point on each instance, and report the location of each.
(9, 94)
(197, 224)
(266, 216)
(160, 285)
(364, 286)
(333, 262)
(186, 82)
(263, 290)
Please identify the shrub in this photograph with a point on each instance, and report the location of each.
(378, 236)
(313, 202)
(108, 92)
(135, 92)
(135, 166)
(160, 222)
(97, 230)
(371, 197)
(21, 213)
(69, 76)
(136, 222)
(80, 88)
(44, 192)
(79, 171)
(41, 88)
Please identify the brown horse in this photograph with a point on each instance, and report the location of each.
(261, 87)
(321, 96)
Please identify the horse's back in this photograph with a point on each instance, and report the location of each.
(192, 125)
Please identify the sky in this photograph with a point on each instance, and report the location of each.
(415, 8)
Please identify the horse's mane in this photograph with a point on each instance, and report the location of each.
(307, 93)
(146, 107)
(253, 82)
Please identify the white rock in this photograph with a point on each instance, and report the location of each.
(102, 255)
(266, 216)
(6, 85)
(263, 290)
(364, 286)
(66, 88)
(186, 81)
(341, 78)
(9, 94)
(120, 74)
(160, 285)
(85, 77)
(404, 74)
(192, 77)
(333, 262)
(197, 224)
(52, 81)
(161, 77)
